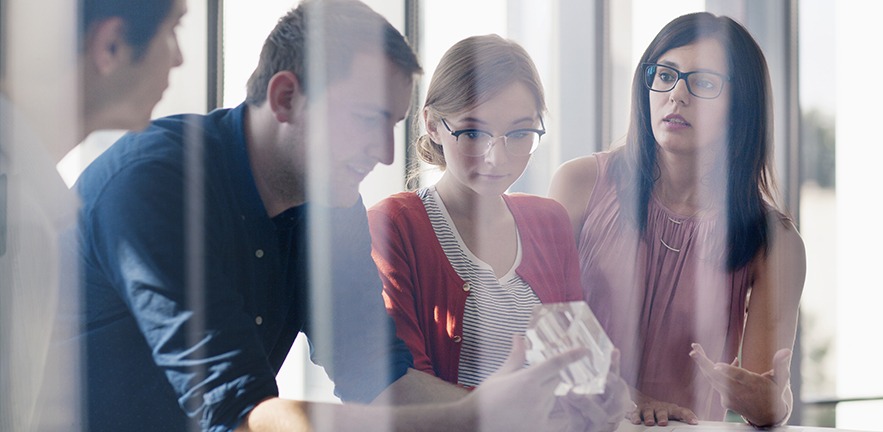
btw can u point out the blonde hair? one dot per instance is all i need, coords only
(471, 72)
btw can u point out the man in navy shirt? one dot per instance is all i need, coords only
(208, 242)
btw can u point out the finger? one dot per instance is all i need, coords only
(649, 416)
(634, 416)
(516, 359)
(733, 373)
(704, 363)
(550, 368)
(685, 415)
(662, 417)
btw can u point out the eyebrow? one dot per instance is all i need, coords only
(676, 66)
(484, 123)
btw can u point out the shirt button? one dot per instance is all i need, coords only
(259, 253)
(466, 287)
(258, 320)
(457, 339)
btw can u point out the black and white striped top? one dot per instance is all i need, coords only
(495, 309)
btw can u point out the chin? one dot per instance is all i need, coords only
(338, 198)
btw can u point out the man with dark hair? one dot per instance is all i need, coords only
(209, 241)
(128, 48)
(112, 81)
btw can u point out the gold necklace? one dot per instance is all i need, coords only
(667, 246)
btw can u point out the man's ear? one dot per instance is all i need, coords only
(285, 96)
(106, 46)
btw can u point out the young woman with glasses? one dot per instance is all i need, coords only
(464, 263)
(683, 251)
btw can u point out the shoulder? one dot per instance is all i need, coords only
(397, 204)
(785, 256)
(785, 239)
(535, 207)
(135, 155)
(540, 217)
(573, 183)
(577, 172)
(151, 161)
(403, 211)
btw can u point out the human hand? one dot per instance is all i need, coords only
(761, 399)
(516, 398)
(652, 412)
(602, 412)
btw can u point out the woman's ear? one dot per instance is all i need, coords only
(106, 46)
(285, 96)
(431, 125)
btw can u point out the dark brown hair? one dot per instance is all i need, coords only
(338, 30)
(749, 180)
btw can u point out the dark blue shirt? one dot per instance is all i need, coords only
(194, 295)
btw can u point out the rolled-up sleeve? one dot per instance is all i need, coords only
(353, 339)
(171, 271)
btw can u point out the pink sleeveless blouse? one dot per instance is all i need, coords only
(656, 294)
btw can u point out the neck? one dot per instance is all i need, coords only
(466, 206)
(278, 188)
(689, 185)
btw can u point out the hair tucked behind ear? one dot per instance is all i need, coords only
(428, 152)
(471, 72)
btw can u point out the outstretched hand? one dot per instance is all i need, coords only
(762, 399)
(516, 398)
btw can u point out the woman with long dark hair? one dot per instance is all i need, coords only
(683, 251)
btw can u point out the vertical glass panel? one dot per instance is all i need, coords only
(633, 25)
(246, 26)
(446, 22)
(818, 207)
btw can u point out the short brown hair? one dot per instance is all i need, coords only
(338, 29)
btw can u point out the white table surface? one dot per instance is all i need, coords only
(710, 426)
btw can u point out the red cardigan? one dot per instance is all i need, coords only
(423, 292)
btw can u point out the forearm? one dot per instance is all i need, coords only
(417, 387)
(277, 414)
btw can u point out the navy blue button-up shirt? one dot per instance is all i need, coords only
(194, 295)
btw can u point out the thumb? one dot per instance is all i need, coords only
(516, 357)
(782, 365)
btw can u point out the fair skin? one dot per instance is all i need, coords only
(120, 90)
(472, 189)
(374, 92)
(689, 133)
(472, 186)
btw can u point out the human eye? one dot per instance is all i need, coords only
(665, 75)
(705, 84)
(520, 134)
(473, 135)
